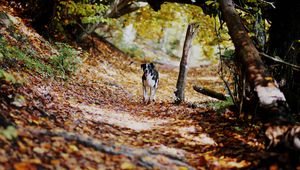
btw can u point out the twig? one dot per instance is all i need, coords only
(243, 94)
(269, 3)
(221, 68)
(277, 59)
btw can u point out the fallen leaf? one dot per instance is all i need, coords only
(24, 166)
(39, 150)
(127, 165)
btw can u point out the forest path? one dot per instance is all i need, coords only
(104, 101)
(96, 118)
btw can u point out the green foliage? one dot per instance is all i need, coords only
(213, 7)
(9, 133)
(7, 77)
(61, 65)
(12, 55)
(133, 50)
(166, 28)
(67, 61)
(221, 104)
(81, 12)
(228, 53)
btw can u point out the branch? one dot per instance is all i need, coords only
(279, 60)
(269, 3)
(209, 93)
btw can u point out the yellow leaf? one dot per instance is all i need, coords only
(127, 165)
(35, 161)
(21, 146)
(73, 148)
(182, 168)
(39, 150)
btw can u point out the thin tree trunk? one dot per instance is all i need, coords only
(181, 82)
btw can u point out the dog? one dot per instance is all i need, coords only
(150, 80)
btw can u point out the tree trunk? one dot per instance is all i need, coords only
(272, 102)
(264, 85)
(181, 81)
(271, 99)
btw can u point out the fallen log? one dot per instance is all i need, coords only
(209, 93)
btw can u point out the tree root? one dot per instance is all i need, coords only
(146, 158)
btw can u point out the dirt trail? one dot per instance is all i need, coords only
(105, 101)
(96, 120)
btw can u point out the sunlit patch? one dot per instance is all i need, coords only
(121, 119)
(227, 162)
(250, 141)
(174, 152)
(192, 137)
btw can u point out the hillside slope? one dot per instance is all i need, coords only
(92, 117)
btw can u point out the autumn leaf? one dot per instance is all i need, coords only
(127, 165)
(24, 166)
(10, 132)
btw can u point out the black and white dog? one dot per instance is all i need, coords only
(150, 79)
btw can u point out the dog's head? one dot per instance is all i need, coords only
(147, 67)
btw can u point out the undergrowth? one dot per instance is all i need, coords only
(218, 105)
(67, 61)
(7, 77)
(61, 65)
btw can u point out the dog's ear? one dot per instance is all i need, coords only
(152, 65)
(143, 66)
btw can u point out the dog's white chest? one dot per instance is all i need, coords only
(149, 81)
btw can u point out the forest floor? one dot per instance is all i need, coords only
(96, 119)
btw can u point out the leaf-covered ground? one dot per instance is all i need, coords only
(95, 119)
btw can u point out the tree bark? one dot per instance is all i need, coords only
(261, 81)
(181, 81)
(273, 107)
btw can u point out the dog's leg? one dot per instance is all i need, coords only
(152, 94)
(145, 95)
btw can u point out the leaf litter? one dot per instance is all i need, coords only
(101, 107)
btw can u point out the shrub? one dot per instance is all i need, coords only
(67, 61)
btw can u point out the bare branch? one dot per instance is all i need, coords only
(269, 3)
(279, 60)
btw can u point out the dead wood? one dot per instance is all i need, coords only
(209, 92)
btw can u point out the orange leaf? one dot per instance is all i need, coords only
(24, 166)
